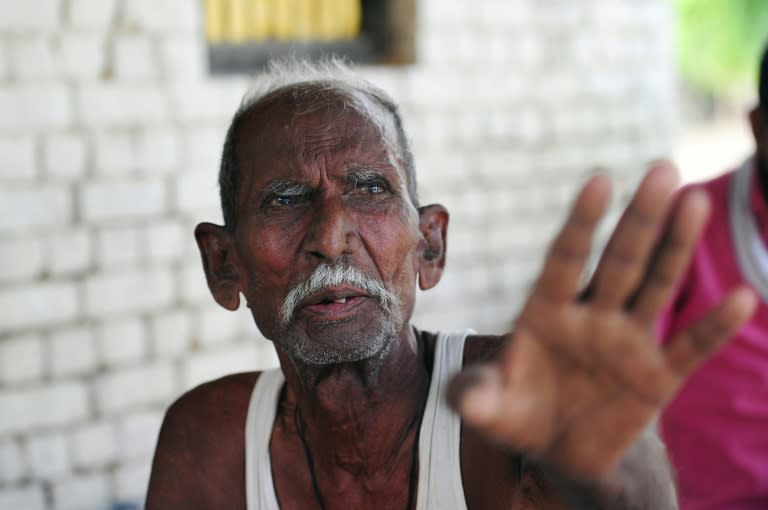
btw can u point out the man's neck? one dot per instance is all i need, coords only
(360, 417)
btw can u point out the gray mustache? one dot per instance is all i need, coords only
(326, 275)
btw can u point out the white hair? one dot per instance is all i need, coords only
(301, 76)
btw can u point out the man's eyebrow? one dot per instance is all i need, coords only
(361, 175)
(286, 187)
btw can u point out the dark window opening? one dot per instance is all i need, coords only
(243, 35)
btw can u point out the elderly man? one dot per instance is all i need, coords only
(325, 239)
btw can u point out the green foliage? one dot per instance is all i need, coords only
(720, 43)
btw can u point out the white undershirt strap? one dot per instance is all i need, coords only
(259, 486)
(439, 486)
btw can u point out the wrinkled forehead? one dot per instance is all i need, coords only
(317, 107)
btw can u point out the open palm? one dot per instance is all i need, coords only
(582, 374)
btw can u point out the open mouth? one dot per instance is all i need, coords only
(332, 304)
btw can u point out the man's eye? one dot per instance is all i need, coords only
(281, 200)
(373, 188)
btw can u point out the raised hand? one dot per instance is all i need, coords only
(582, 374)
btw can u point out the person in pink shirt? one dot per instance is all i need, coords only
(716, 429)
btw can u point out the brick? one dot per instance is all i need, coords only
(109, 294)
(157, 151)
(163, 16)
(69, 251)
(91, 14)
(17, 158)
(217, 325)
(213, 101)
(197, 191)
(4, 63)
(137, 435)
(170, 333)
(122, 341)
(72, 351)
(81, 491)
(35, 107)
(114, 153)
(38, 305)
(20, 259)
(117, 246)
(13, 467)
(123, 199)
(29, 16)
(131, 481)
(81, 56)
(194, 288)
(33, 58)
(48, 455)
(120, 104)
(134, 58)
(210, 364)
(183, 58)
(64, 156)
(21, 358)
(22, 208)
(48, 406)
(201, 149)
(126, 389)
(94, 445)
(166, 241)
(30, 497)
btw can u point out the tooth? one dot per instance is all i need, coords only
(340, 301)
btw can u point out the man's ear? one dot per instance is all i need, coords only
(220, 263)
(433, 224)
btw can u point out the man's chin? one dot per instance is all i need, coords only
(336, 342)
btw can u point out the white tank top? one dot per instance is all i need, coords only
(439, 486)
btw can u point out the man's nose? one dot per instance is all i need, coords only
(332, 232)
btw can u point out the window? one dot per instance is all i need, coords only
(243, 35)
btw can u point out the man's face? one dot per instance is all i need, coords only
(325, 232)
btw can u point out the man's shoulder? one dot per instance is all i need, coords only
(199, 460)
(225, 398)
(482, 348)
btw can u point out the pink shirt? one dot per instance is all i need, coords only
(716, 428)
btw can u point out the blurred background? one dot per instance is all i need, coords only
(112, 115)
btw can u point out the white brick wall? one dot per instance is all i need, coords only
(25, 410)
(28, 498)
(21, 358)
(48, 455)
(64, 156)
(17, 158)
(81, 492)
(29, 16)
(108, 294)
(72, 351)
(38, 305)
(110, 139)
(27, 107)
(91, 14)
(122, 341)
(132, 388)
(94, 445)
(20, 259)
(123, 199)
(23, 208)
(12, 463)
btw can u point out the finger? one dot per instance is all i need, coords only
(624, 260)
(699, 341)
(563, 267)
(672, 256)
